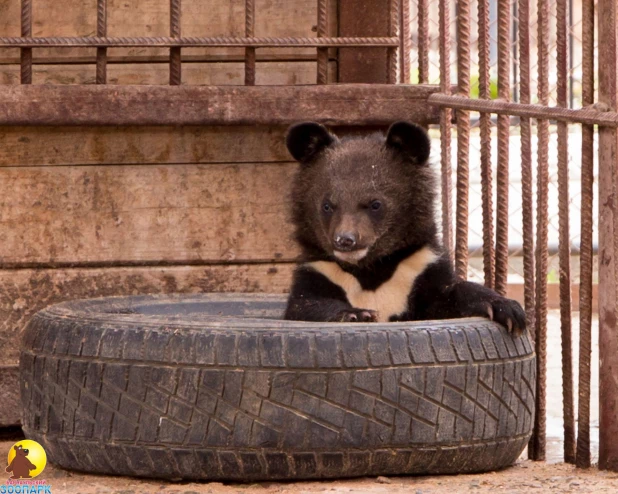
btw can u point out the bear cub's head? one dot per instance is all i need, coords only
(20, 451)
(359, 199)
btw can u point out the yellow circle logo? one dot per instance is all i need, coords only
(27, 459)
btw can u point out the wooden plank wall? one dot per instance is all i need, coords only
(88, 212)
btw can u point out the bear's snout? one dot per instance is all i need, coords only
(345, 241)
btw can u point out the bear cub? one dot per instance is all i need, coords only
(364, 214)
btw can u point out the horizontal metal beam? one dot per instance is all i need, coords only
(339, 104)
(585, 115)
(217, 41)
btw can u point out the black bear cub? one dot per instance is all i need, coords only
(364, 212)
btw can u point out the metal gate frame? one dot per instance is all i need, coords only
(382, 102)
(602, 113)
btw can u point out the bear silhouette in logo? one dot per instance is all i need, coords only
(21, 465)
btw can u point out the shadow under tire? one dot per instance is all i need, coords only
(217, 386)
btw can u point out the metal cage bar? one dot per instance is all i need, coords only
(406, 42)
(582, 459)
(538, 441)
(216, 41)
(502, 172)
(423, 41)
(26, 52)
(101, 76)
(588, 116)
(392, 52)
(564, 250)
(175, 55)
(463, 139)
(322, 32)
(445, 128)
(526, 163)
(485, 124)
(249, 33)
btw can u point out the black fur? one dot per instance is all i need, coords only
(379, 191)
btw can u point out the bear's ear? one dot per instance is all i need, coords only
(306, 140)
(410, 140)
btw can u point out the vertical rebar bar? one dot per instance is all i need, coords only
(406, 42)
(423, 42)
(322, 31)
(564, 249)
(585, 284)
(175, 60)
(445, 127)
(393, 30)
(502, 173)
(463, 139)
(26, 53)
(101, 77)
(249, 51)
(526, 163)
(485, 123)
(536, 449)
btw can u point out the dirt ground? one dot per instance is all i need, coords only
(524, 477)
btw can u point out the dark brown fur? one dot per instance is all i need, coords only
(358, 170)
(339, 183)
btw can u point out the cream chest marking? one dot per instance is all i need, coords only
(391, 297)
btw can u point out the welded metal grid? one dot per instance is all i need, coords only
(394, 42)
(527, 72)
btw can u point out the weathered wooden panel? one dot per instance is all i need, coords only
(145, 214)
(215, 74)
(44, 146)
(23, 292)
(338, 104)
(363, 65)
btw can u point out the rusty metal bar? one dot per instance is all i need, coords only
(502, 173)
(322, 32)
(393, 31)
(526, 163)
(221, 105)
(26, 52)
(582, 459)
(101, 77)
(536, 447)
(608, 240)
(485, 123)
(217, 41)
(590, 115)
(175, 60)
(565, 251)
(446, 127)
(406, 42)
(250, 52)
(463, 139)
(423, 41)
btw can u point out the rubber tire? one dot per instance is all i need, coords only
(215, 387)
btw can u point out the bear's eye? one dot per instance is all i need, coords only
(375, 205)
(327, 207)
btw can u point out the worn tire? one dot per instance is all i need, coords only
(216, 387)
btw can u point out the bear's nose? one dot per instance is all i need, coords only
(345, 241)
